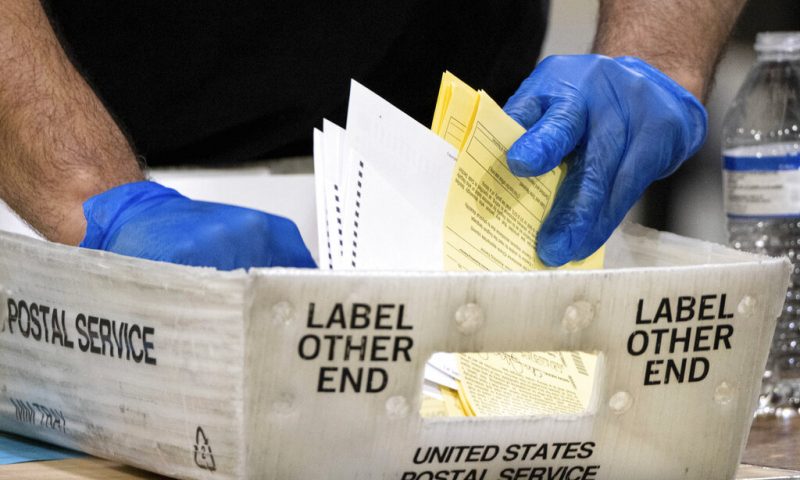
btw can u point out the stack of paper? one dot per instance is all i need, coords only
(508, 384)
(395, 195)
(492, 216)
(381, 188)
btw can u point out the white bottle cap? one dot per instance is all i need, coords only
(778, 44)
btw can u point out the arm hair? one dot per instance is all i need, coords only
(682, 38)
(58, 143)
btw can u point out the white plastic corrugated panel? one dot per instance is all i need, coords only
(290, 374)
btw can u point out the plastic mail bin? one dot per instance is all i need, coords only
(196, 373)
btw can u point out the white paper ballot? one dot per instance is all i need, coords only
(334, 147)
(383, 187)
(323, 229)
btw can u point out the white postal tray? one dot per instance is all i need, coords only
(196, 373)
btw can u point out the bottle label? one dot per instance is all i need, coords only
(762, 186)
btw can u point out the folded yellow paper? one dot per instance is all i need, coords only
(527, 383)
(454, 109)
(492, 216)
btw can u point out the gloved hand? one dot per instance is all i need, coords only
(148, 220)
(627, 125)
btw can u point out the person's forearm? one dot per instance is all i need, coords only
(682, 38)
(58, 143)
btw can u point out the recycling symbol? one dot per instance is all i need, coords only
(202, 451)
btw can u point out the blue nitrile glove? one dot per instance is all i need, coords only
(628, 125)
(148, 220)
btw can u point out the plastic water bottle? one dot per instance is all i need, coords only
(761, 169)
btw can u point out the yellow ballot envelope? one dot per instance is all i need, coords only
(491, 216)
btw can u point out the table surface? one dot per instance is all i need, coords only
(772, 443)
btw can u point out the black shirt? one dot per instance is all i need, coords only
(209, 82)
